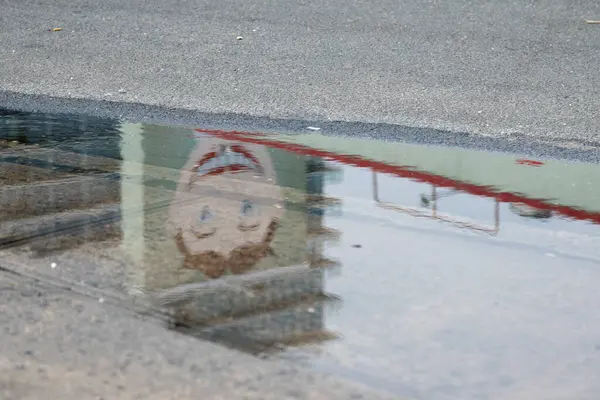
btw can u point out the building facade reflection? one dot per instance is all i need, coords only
(52, 189)
(232, 235)
(70, 185)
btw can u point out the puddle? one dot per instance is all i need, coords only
(433, 273)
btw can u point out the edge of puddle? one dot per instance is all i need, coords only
(514, 143)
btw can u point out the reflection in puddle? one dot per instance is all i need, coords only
(434, 273)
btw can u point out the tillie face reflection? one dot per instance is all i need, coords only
(227, 207)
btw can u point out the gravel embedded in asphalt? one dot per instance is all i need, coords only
(491, 68)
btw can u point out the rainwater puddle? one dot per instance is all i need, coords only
(430, 272)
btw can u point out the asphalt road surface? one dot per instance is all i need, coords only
(498, 68)
(520, 68)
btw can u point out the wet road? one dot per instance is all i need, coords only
(509, 68)
(427, 272)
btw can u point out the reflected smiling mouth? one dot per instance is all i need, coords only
(242, 227)
(248, 227)
(228, 158)
(204, 235)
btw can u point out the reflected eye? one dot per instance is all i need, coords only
(205, 215)
(248, 209)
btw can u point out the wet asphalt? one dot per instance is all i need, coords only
(58, 344)
(404, 319)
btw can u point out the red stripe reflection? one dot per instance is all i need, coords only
(531, 163)
(406, 172)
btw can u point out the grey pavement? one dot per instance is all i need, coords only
(57, 344)
(518, 67)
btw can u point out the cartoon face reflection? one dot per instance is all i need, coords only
(227, 207)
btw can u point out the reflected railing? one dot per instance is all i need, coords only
(430, 210)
